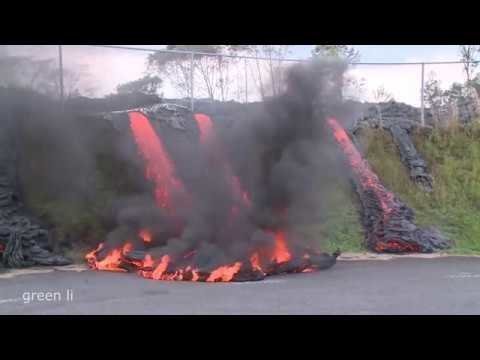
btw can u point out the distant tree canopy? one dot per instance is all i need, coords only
(382, 95)
(177, 66)
(445, 103)
(268, 74)
(42, 75)
(344, 52)
(469, 55)
(217, 76)
(146, 85)
(476, 84)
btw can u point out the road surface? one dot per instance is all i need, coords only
(401, 286)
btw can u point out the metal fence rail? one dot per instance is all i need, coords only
(246, 80)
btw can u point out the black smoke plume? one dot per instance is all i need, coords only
(282, 154)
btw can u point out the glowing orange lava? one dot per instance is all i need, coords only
(159, 167)
(148, 261)
(111, 262)
(255, 262)
(209, 139)
(161, 268)
(281, 253)
(367, 177)
(183, 266)
(205, 126)
(224, 273)
(145, 235)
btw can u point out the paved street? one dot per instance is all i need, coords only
(401, 286)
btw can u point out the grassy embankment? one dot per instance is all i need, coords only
(453, 156)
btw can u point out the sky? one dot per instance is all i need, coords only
(108, 68)
(402, 82)
(376, 53)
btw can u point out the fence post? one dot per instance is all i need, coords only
(422, 94)
(191, 82)
(60, 68)
(246, 79)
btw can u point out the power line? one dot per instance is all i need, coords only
(186, 52)
(276, 59)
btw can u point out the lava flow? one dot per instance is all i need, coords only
(281, 253)
(159, 168)
(388, 221)
(209, 139)
(359, 166)
(186, 264)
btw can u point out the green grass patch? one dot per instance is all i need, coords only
(453, 156)
(338, 224)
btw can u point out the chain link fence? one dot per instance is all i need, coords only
(99, 70)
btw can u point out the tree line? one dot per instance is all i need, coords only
(218, 77)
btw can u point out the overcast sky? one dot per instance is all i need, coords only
(377, 53)
(110, 67)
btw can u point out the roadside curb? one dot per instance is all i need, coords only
(11, 273)
(367, 256)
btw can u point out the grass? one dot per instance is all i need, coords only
(77, 223)
(342, 228)
(338, 223)
(453, 156)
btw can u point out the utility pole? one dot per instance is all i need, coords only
(60, 66)
(422, 96)
(192, 64)
(246, 80)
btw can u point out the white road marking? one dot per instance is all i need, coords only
(464, 275)
(42, 270)
(374, 256)
(33, 271)
(7, 301)
(261, 282)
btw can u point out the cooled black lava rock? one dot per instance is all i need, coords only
(324, 261)
(410, 157)
(390, 223)
(399, 120)
(22, 241)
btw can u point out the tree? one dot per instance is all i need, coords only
(456, 92)
(212, 72)
(382, 95)
(41, 75)
(175, 67)
(434, 97)
(468, 55)
(351, 88)
(476, 84)
(268, 72)
(342, 52)
(147, 85)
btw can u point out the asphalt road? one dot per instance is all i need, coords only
(401, 286)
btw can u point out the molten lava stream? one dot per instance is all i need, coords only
(112, 261)
(159, 167)
(255, 262)
(209, 138)
(224, 273)
(368, 179)
(145, 235)
(281, 253)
